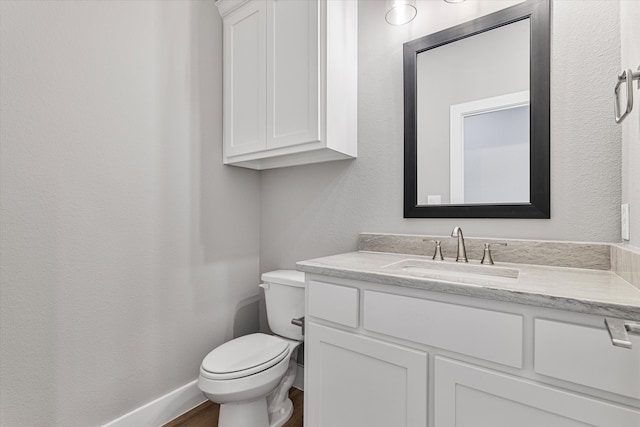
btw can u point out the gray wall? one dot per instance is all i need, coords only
(127, 247)
(318, 210)
(630, 30)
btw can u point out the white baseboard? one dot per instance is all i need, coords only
(163, 409)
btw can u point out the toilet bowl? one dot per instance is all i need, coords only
(250, 376)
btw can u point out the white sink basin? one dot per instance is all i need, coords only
(450, 270)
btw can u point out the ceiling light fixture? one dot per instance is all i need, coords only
(400, 12)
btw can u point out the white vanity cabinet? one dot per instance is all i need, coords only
(290, 81)
(380, 355)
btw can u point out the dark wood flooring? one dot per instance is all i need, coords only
(206, 415)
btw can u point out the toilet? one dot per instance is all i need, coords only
(250, 376)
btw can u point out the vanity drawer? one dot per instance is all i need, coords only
(485, 334)
(334, 303)
(585, 355)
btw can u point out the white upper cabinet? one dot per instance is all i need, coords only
(290, 82)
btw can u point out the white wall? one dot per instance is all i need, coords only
(630, 58)
(126, 245)
(318, 210)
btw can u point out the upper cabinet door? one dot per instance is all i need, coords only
(245, 88)
(292, 72)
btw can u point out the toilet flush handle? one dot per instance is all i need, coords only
(299, 322)
(264, 286)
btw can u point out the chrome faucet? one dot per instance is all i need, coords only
(462, 252)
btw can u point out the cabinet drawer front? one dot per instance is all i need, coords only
(585, 355)
(334, 303)
(485, 334)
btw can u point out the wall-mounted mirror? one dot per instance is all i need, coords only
(477, 118)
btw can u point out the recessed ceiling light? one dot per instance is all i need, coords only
(400, 12)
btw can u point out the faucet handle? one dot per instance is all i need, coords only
(486, 257)
(437, 253)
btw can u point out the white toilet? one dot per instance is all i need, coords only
(250, 376)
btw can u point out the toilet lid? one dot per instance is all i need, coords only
(245, 355)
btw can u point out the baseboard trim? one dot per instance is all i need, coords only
(163, 409)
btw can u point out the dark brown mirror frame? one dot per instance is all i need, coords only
(538, 11)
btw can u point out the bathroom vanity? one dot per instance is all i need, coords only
(397, 339)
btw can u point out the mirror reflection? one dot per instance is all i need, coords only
(472, 108)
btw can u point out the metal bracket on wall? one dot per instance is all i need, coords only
(627, 76)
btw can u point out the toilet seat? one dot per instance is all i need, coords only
(244, 356)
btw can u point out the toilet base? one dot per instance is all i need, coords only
(279, 418)
(244, 414)
(253, 414)
(279, 405)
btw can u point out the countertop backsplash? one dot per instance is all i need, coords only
(625, 262)
(596, 256)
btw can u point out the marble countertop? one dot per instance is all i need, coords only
(574, 289)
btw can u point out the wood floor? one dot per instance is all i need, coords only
(206, 415)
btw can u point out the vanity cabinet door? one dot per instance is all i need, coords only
(245, 82)
(355, 381)
(469, 396)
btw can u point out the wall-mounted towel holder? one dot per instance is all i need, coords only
(627, 76)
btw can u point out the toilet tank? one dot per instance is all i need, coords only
(284, 298)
